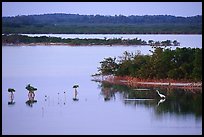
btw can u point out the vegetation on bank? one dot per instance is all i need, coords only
(164, 63)
(19, 39)
(105, 29)
(99, 24)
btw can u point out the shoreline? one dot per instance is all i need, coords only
(36, 44)
(136, 82)
(66, 44)
(44, 40)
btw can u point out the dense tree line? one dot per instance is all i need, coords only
(63, 19)
(75, 23)
(18, 39)
(164, 63)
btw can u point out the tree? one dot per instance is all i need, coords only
(197, 65)
(176, 43)
(179, 64)
(108, 66)
(151, 42)
(31, 95)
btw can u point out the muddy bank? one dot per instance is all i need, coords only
(136, 82)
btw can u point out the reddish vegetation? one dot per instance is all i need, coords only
(137, 82)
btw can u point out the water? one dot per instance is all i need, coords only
(101, 108)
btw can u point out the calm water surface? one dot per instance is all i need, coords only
(101, 108)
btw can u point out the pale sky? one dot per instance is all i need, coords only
(103, 8)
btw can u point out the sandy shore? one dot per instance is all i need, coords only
(135, 82)
(62, 44)
(37, 44)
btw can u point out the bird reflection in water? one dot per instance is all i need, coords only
(31, 99)
(65, 99)
(11, 102)
(160, 101)
(75, 92)
(31, 95)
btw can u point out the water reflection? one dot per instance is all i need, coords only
(11, 102)
(141, 102)
(31, 95)
(177, 101)
(31, 99)
(108, 93)
(160, 101)
(65, 98)
(60, 100)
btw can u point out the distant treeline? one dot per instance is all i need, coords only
(178, 64)
(98, 24)
(18, 39)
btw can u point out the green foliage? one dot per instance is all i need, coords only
(92, 24)
(197, 65)
(17, 39)
(180, 64)
(108, 66)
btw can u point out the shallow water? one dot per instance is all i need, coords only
(101, 108)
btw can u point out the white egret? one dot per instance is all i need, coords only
(161, 95)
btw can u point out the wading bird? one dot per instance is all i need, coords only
(75, 92)
(11, 90)
(11, 102)
(31, 90)
(161, 95)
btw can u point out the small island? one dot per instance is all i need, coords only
(9, 39)
(179, 68)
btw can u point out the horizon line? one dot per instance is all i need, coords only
(102, 15)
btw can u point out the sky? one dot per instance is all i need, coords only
(183, 9)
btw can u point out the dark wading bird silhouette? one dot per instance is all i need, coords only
(11, 102)
(75, 92)
(31, 95)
